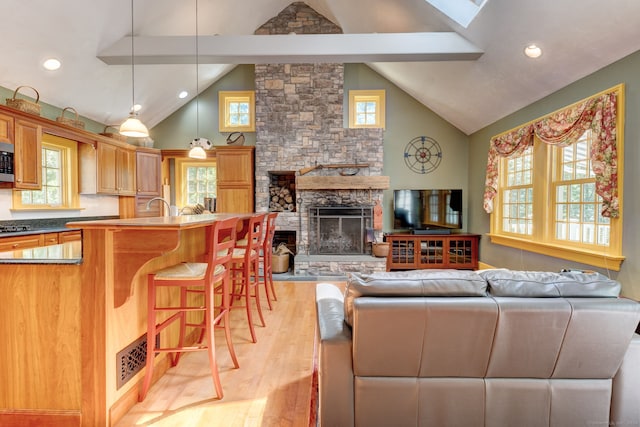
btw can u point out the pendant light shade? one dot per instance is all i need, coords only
(197, 153)
(133, 127)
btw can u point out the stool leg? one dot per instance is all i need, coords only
(270, 275)
(256, 288)
(211, 344)
(151, 333)
(226, 296)
(175, 357)
(246, 277)
(265, 279)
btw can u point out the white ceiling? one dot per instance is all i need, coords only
(578, 37)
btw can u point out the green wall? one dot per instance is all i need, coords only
(406, 119)
(624, 71)
(177, 130)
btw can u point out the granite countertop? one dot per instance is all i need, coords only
(63, 253)
(36, 231)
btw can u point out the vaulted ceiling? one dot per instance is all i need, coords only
(577, 38)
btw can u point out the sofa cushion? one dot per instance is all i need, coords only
(419, 283)
(512, 283)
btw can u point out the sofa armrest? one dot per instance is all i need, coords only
(625, 394)
(335, 367)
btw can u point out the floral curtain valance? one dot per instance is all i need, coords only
(563, 128)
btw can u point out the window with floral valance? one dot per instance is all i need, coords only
(552, 184)
(564, 127)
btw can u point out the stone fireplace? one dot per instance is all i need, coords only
(299, 124)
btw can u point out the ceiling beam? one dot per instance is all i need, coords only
(292, 48)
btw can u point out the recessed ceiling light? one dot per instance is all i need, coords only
(532, 51)
(136, 108)
(51, 64)
(183, 94)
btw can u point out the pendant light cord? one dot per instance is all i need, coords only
(133, 79)
(197, 79)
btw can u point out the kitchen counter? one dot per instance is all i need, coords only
(91, 308)
(63, 253)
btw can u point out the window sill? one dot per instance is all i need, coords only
(596, 259)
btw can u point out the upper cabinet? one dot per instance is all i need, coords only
(148, 172)
(235, 179)
(28, 155)
(6, 128)
(107, 169)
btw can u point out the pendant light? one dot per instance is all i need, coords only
(198, 145)
(133, 127)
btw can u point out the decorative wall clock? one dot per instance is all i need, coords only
(422, 154)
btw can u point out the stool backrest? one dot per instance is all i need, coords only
(221, 242)
(252, 241)
(269, 232)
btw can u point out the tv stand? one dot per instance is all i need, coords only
(419, 251)
(429, 231)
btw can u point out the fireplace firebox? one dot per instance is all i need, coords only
(339, 230)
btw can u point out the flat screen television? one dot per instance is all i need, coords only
(427, 210)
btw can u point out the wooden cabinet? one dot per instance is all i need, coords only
(6, 128)
(50, 239)
(235, 179)
(21, 242)
(28, 155)
(69, 236)
(412, 252)
(148, 172)
(107, 169)
(149, 185)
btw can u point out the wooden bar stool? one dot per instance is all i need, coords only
(265, 257)
(191, 278)
(245, 270)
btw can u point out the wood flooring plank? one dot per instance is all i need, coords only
(271, 388)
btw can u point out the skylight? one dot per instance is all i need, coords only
(461, 11)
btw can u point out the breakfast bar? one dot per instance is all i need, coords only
(67, 322)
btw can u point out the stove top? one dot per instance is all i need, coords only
(14, 228)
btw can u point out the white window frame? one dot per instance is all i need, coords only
(377, 97)
(225, 100)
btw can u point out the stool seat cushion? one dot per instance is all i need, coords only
(186, 271)
(238, 253)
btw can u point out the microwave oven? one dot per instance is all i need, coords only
(6, 162)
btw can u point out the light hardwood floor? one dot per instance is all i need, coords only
(272, 387)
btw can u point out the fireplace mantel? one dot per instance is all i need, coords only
(342, 182)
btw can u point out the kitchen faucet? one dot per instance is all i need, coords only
(163, 201)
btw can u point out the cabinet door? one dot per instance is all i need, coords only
(433, 252)
(50, 239)
(22, 242)
(148, 173)
(235, 179)
(402, 252)
(107, 156)
(28, 155)
(232, 199)
(126, 171)
(69, 236)
(6, 128)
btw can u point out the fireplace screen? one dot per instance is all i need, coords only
(338, 230)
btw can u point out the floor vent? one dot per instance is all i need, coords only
(131, 359)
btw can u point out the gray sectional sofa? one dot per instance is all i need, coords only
(490, 348)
